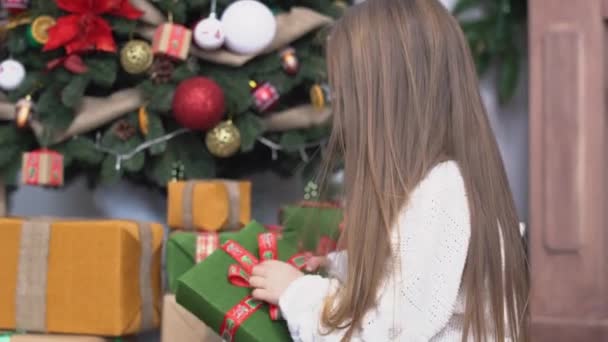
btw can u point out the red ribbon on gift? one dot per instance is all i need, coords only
(239, 274)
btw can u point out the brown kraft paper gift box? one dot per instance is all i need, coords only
(179, 325)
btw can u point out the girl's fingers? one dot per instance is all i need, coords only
(315, 263)
(262, 294)
(257, 282)
(258, 271)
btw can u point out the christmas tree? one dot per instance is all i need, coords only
(153, 90)
(96, 82)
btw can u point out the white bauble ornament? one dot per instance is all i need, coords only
(249, 26)
(209, 33)
(12, 73)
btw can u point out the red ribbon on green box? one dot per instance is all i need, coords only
(239, 274)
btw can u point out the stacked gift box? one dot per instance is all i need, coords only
(204, 214)
(100, 280)
(210, 279)
(90, 279)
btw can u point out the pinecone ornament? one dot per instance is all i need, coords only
(124, 130)
(161, 70)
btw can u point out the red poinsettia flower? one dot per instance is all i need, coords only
(85, 29)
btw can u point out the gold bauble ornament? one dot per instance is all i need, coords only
(224, 140)
(136, 57)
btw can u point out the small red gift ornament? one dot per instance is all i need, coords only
(265, 97)
(172, 40)
(42, 167)
(15, 5)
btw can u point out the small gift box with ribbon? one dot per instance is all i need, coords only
(15, 5)
(42, 167)
(172, 40)
(217, 290)
(209, 205)
(80, 276)
(312, 226)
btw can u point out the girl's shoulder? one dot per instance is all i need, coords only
(443, 177)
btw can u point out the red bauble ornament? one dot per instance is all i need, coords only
(198, 103)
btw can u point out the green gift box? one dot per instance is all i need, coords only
(312, 226)
(181, 253)
(206, 291)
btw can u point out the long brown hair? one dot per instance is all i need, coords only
(405, 97)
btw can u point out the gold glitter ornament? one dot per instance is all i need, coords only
(224, 140)
(136, 57)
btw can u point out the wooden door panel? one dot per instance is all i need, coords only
(568, 243)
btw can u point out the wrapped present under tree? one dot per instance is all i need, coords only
(216, 290)
(179, 325)
(9, 337)
(209, 205)
(80, 277)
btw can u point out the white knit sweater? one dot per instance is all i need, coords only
(421, 299)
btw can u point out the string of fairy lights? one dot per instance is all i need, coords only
(122, 156)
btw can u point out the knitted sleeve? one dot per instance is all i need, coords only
(419, 297)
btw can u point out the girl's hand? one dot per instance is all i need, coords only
(313, 264)
(271, 278)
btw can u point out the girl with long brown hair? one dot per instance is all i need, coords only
(432, 250)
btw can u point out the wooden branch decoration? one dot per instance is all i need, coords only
(7, 111)
(92, 113)
(151, 15)
(304, 116)
(290, 27)
(95, 112)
